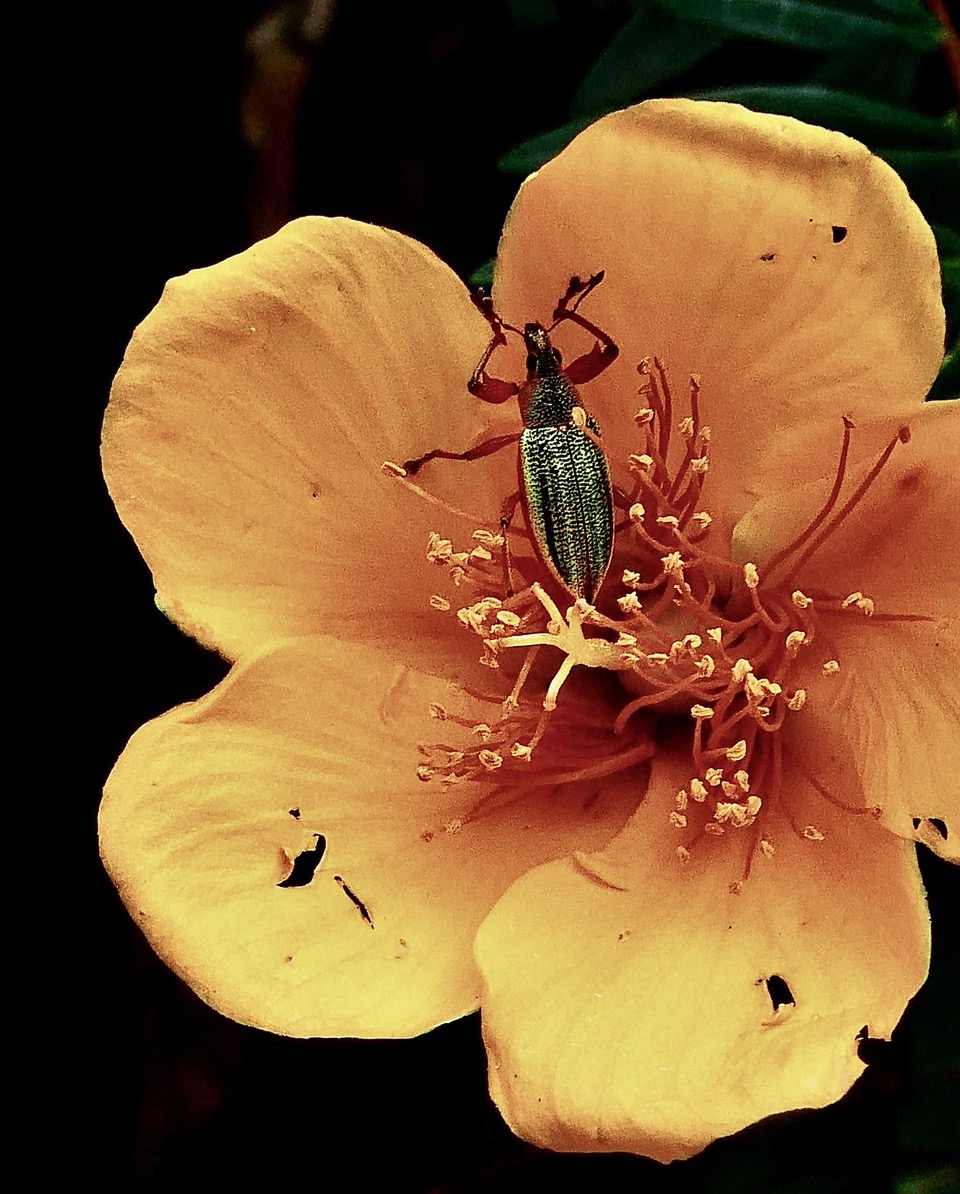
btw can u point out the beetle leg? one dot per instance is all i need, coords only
(492, 389)
(481, 385)
(621, 498)
(477, 452)
(604, 352)
(578, 289)
(507, 512)
(592, 363)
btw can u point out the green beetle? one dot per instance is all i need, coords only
(564, 481)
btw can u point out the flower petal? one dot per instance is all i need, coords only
(894, 707)
(783, 263)
(629, 1000)
(210, 806)
(248, 424)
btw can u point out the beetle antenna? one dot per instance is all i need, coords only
(484, 304)
(577, 291)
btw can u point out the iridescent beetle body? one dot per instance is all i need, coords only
(563, 475)
(564, 482)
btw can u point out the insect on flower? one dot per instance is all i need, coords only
(564, 481)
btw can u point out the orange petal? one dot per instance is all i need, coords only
(626, 1003)
(720, 233)
(248, 424)
(210, 805)
(893, 708)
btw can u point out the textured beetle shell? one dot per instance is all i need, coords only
(566, 488)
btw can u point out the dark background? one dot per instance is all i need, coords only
(186, 144)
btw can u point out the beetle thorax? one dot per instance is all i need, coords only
(547, 401)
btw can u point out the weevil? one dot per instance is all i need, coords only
(564, 482)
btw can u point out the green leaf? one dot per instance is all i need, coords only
(947, 384)
(944, 1179)
(906, 11)
(483, 274)
(867, 120)
(948, 241)
(803, 24)
(950, 280)
(532, 14)
(651, 48)
(531, 154)
(878, 70)
(932, 178)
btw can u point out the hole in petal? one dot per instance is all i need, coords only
(768, 256)
(354, 899)
(305, 864)
(295, 813)
(839, 232)
(780, 994)
(939, 826)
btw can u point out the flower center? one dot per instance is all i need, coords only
(694, 637)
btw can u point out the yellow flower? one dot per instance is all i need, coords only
(684, 887)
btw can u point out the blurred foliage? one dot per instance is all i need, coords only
(878, 70)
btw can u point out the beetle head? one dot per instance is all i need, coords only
(543, 360)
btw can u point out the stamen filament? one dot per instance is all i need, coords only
(902, 437)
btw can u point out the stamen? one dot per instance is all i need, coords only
(902, 437)
(828, 505)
